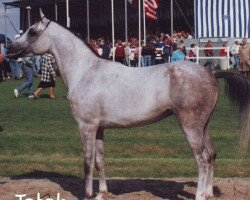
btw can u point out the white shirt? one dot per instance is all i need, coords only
(235, 49)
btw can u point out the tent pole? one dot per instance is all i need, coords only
(5, 25)
(67, 13)
(195, 31)
(139, 14)
(56, 14)
(172, 18)
(113, 29)
(28, 8)
(126, 20)
(144, 22)
(88, 27)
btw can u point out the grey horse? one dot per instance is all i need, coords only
(105, 94)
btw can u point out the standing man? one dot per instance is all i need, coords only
(235, 52)
(244, 54)
(48, 69)
(209, 53)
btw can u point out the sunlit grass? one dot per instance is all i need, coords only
(41, 135)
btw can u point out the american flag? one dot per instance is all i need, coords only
(150, 9)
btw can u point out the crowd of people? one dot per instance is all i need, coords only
(163, 48)
(157, 49)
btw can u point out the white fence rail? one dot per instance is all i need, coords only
(198, 58)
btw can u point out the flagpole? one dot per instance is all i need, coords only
(113, 28)
(126, 21)
(139, 13)
(67, 13)
(88, 31)
(144, 22)
(5, 25)
(172, 18)
(195, 31)
(56, 13)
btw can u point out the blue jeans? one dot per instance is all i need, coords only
(237, 60)
(147, 60)
(29, 82)
(16, 70)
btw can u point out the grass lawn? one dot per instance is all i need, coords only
(41, 135)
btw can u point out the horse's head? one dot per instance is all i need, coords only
(34, 41)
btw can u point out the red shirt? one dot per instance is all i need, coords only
(209, 52)
(223, 53)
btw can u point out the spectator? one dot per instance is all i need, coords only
(235, 52)
(174, 44)
(184, 47)
(192, 53)
(105, 49)
(1, 67)
(223, 53)
(148, 53)
(27, 65)
(5, 65)
(48, 68)
(120, 52)
(244, 54)
(209, 53)
(178, 55)
(167, 51)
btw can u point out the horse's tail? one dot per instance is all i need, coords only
(237, 88)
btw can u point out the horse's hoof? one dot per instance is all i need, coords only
(200, 196)
(208, 196)
(99, 197)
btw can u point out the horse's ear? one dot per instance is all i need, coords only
(42, 16)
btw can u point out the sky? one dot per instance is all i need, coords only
(14, 16)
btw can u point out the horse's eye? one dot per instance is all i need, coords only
(32, 32)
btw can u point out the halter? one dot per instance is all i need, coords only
(19, 52)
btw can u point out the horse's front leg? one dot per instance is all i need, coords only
(88, 135)
(100, 161)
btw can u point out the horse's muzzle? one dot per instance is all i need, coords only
(13, 52)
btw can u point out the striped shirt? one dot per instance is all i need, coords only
(48, 67)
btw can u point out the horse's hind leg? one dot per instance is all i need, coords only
(194, 131)
(211, 162)
(99, 160)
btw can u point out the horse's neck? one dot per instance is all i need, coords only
(73, 57)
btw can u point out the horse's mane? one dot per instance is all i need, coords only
(85, 42)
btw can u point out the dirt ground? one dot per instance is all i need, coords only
(122, 189)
